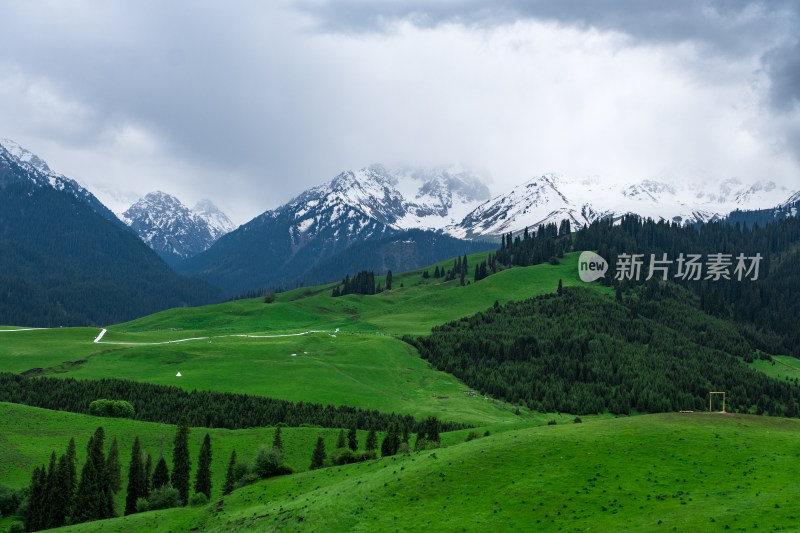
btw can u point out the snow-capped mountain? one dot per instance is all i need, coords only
(20, 165)
(173, 230)
(402, 198)
(551, 198)
(356, 206)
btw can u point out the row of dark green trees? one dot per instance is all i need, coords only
(58, 496)
(362, 283)
(211, 409)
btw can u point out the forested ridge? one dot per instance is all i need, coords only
(62, 264)
(167, 404)
(767, 308)
(583, 352)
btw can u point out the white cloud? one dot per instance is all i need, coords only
(248, 104)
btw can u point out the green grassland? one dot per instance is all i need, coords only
(672, 472)
(666, 472)
(784, 367)
(363, 364)
(31, 434)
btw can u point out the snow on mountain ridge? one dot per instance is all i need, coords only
(173, 230)
(399, 198)
(36, 171)
(549, 198)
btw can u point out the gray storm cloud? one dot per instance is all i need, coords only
(249, 103)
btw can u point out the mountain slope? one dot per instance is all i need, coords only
(66, 260)
(20, 165)
(401, 252)
(280, 246)
(173, 230)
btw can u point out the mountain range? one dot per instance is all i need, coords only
(371, 216)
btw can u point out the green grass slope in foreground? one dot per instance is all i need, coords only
(667, 472)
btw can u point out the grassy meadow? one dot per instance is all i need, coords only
(666, 472)
(237, 346)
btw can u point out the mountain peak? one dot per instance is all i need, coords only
(24, 156)
(173, 230)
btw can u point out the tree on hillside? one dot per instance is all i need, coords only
(50, 498)
(230, 480)
(432, 429)
(161, 474)
(112, 478)
(372, 441)
(318, 456)
(277, 443)
(203, 481)
(135, 469)
(340, 442)
(65, 486)
(352, 441)
(147, 473)
(181, 463)
(389, 280)
(90, 498)
(391, 442)
(34, 521)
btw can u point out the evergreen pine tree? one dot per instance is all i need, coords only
(113, 468)
(181, 462)
(112, 479)
(432, 429)
(352, 441)
(50, 500)
(340, 442)
(389, 280)
(68, 480)
(391, 442)
(277, 443)
(147, 473)
(318, 456)
(89, 497)
(229, 476)
(560, 287)
(135, 489)
(34, 520)
(63, 494)
(161, 474)
(203, 482)
(372, 441)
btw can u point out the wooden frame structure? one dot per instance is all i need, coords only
(710, 396)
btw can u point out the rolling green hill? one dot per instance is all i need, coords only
(363, 364)
(696, 472)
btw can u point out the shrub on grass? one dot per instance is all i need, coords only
(163, 498)
(198, 499)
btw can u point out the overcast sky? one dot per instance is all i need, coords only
(249, 103)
